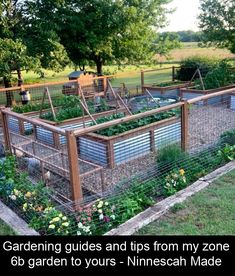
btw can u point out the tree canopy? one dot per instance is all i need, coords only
(217, 21)
(100, 32)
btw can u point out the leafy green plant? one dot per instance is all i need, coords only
(220, 76)
(190, 65)
(227, 153)
(170, 157)
(170, 83)
(174, 182)
(123, 127)
(228, 137)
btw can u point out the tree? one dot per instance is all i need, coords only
(102, 32)
(217, 21)
(22, 30)
(13, 57)
(166, 42)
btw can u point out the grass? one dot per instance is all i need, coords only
(209, 212)
(130, 75)
(5, 230)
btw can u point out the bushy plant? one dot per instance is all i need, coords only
(220, 76)
(190, 65)
(170, 157)
(227, 153)
(228, 137)
(120, 128)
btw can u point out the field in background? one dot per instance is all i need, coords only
(130, 75)
(209, 212)
(191, 49)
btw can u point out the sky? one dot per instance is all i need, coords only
(184, 18)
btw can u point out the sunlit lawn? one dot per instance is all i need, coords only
(5, 230)
(209, 212)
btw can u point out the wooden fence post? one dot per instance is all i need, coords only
(152, 140)
(184, 125)
(173, 73)
(110, 154)
(75, 181)
(6, 132)
(142, 80)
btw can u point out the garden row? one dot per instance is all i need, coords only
(175, 170)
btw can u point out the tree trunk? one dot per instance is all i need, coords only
(9, 94)
(99, 68)
(20, 80)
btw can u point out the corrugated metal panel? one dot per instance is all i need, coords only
(13, 124)
(167, 135)
(189, 96)
(232, 104)
(131, 148)
(93, 151)
(44, 135)
(174, 92)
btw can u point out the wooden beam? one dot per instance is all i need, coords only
(127, 109)
(142, 80)
(114, 94)
(33, 121)
(184, 125)
(211, 95)
(75, 180)
(6, 135)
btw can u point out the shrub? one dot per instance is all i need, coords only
(228, 137)
(170, 157)
(190, 65)
(222, 75)
(227, 153)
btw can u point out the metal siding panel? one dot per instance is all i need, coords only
(13, 124)
(131, 148)
(44, 135)
(189, 96)
(167, 135)
(93, 151)
(232, 103)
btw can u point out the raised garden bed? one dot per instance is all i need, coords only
(193, 92)
(48, 137)
(117, 149)
(166, 89)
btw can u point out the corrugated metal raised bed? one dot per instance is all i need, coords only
(114, 150)
(191, 92)
(173, 90)
(232, 102)
(47, 136)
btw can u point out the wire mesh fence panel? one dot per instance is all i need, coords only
(208, 120)
(106, 173)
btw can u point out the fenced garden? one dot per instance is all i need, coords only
(85, 161)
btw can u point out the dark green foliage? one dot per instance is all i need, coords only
(170, 83)
(220, 76)
(228, 137)
(170, 157)
(190, 65)
(123, 127)
(216, 20)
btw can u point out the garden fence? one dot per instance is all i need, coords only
(127, 162)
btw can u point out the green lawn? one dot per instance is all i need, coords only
(5, 230)
(209, 212)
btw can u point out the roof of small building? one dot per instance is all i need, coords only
(75, 74)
